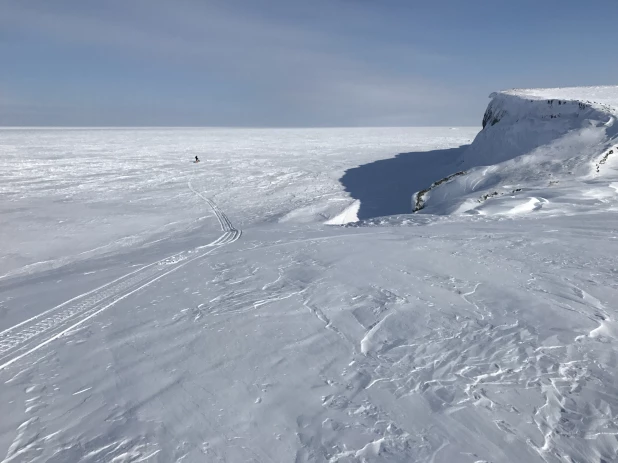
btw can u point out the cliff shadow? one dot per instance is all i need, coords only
(385, 187)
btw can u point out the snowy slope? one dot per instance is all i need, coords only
(549, 150)
(253, 332)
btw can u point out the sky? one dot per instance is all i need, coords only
(275, 63)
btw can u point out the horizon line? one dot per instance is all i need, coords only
(60, 127)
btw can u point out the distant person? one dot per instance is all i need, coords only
(197, 159)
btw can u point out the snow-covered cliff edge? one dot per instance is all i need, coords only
(540, 149)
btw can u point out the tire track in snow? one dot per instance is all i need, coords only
(34, 333)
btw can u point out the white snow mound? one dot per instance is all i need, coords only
(551, 150)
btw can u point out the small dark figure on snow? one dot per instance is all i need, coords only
(197, 159)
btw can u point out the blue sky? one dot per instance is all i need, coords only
(290, 63)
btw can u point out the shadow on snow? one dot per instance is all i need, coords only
(386, 187)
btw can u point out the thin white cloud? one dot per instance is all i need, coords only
(311, 72)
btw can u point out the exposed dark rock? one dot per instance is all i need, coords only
(418, 198)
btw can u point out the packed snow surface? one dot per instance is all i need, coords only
(153, 309)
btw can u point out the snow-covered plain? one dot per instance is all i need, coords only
(77, 193)
(158, 310)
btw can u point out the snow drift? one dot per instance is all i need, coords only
(547, 149)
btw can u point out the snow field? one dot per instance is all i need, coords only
(480, 329)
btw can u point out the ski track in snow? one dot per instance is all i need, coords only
(31, 335)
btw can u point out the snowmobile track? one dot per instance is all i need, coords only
(32, 334)
(224, 221)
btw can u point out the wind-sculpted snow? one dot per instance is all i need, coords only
(462, 341)
(485, 337)
(548, 146)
